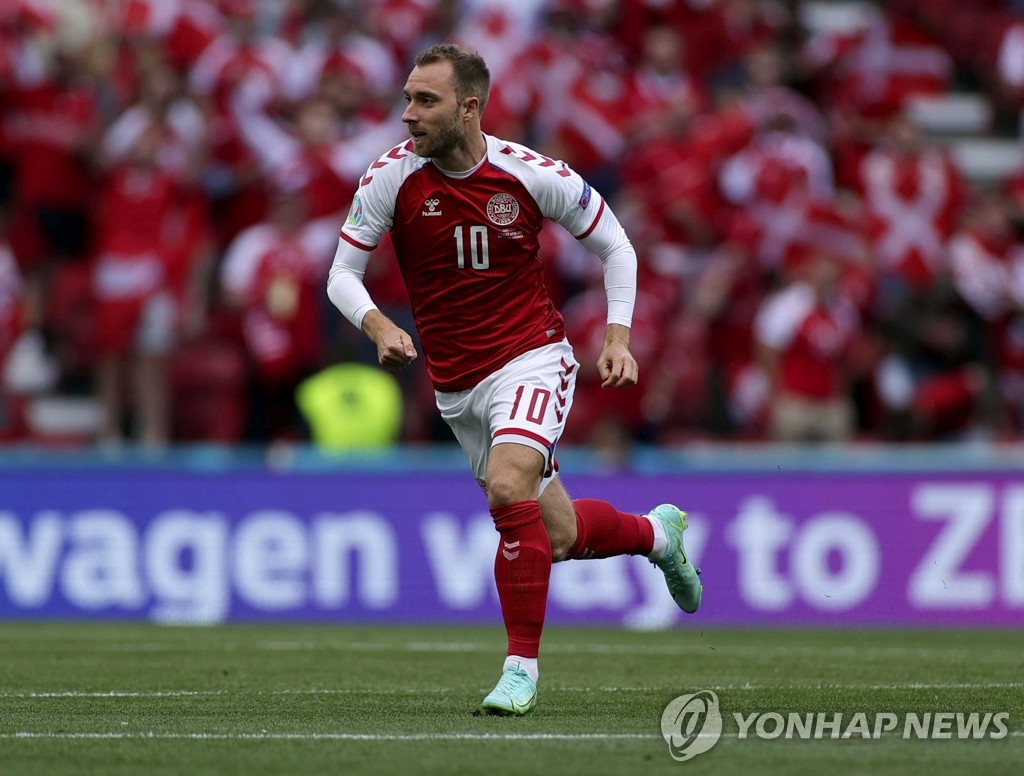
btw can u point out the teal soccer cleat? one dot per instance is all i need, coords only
(682, 578)
(513, 695)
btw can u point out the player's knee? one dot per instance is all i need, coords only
(561, 544)
(509, 486)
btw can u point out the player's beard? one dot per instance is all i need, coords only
(447, 138)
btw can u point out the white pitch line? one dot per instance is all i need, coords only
(114, 694)
(342, 736)
(947, 653)
(912, 686)
(206, 693)
(746, 687)
(469, 646)
(263, 736)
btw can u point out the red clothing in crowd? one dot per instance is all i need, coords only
(275, 274)
(912, 201)
(147, 234)
(48, 127)
(876, 68)
(812, 338)
(10, 300)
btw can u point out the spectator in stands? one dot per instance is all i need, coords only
(238, 56)
(588, 127)
(147, 244)
(11, 321)
(166, 109)
(152, 252)
(660, 85)
(318, 150)
(737, 149)
(765, 88)
(782, 197)
(1011, 349)
(668, 184)
(403, 24)
(724, 301)
(718, 34)
(804, 332)
(335, 39)
(598, 414)
(912, 196)
(52, 125)
(10, 292)
(530, 99)
(181, 29)
(934, 376)
(1010, 69)
(985, 260)
(873, 69)
(273, 275)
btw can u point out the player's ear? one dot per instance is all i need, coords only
(470, 107)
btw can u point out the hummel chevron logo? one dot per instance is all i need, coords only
(398, 152)
(510, 546)
(568, 370)
(526, 156)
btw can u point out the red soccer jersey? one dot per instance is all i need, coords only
(274, 273)
(49, 124)
(811, 337)
(468, 249)
(134, 205)
(10, 299)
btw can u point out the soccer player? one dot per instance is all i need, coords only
(465, 210)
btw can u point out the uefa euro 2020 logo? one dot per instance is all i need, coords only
(691, 724)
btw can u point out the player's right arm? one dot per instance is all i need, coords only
(348, 293)
(369, 217)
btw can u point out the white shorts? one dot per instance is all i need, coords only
(155, 335)
(526, 402)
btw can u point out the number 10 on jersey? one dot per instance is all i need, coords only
(479, 255)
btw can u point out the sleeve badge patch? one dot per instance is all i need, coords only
(585, 196)
(355, 213)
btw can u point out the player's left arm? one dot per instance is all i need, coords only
(608, 240)
(567, 199)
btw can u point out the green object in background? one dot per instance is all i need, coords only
(351, 406)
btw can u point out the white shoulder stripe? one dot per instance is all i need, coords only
(397, 153)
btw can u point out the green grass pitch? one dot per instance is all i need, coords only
(95, 698)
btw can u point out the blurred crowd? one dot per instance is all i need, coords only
(813, 267)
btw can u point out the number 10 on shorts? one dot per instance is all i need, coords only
(538, 404)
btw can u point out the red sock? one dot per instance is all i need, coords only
(522, 568)
(602, 531)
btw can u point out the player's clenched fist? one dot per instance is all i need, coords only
(394, 345)
(395, 350)
(616, 364)
(617, 367)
